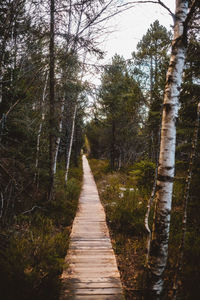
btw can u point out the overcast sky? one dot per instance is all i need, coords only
(129, 27)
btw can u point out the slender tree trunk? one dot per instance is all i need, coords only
(40, 130)
(160, 235)
(52, 128)
(151, 80)
(112, 152)
(1, 82)
(120, 159)
(151, 199)
(58, 137)
(2, 205)
(146, 219)
(185, 205)
(75, 157)
(70, 144)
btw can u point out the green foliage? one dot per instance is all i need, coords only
(33, 260)
(143, 172)
(99, 168)
(125, 206)
(126, 213)
(112, 133)
(62, 210)
(150, 65)
(152, 58)
(191, 266)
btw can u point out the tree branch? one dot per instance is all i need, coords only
(32, 209)
(153, 2)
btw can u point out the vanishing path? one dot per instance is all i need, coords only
(92, 270)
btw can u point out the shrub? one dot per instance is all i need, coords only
(144, 171)
(125, 213)
(99, 168)
(34, 260)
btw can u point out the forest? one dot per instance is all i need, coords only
(139, 129)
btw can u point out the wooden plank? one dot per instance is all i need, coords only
(96, 285)
(92, 270)
(101, 260)
(92, 297)
(98, 291)
(89, 280)
(94, 252)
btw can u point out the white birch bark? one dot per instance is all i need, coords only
(40, 129)
(146, 219)
(70, 144)
(60, 126)
(160, 235)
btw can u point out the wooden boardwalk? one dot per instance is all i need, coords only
(91, 265)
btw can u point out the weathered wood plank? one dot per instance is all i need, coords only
(91, 297)
(96, 285)
(92, 270)
(98, 291)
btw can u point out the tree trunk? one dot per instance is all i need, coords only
(51, 102)
(70, 144)
(151, 199)
(160, 235)
(1, 83)
(112, 150)
(76, 152)
(58, 137)
(40, 130)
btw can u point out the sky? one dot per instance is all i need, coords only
(132, 24)
(129, 27)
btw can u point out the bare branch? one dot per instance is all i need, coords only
(150, 1)
(32, 209)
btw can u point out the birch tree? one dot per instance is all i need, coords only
(70, 144)
(160, 235)
(51, 99)
(40, 130)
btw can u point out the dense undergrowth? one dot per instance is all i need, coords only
(33, 247)
(124, 195)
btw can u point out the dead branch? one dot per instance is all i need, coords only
(132, 3)
(32, 209)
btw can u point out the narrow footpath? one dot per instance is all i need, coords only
(91, 269)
